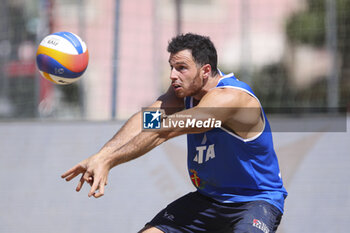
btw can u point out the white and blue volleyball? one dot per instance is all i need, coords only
(62, 57)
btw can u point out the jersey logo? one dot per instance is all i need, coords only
(195, 179)
(204, 153)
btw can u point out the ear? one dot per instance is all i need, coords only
(206, 70)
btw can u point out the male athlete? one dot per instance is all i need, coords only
(234, 167)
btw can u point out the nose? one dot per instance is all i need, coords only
(173, 74)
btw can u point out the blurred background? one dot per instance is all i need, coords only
(294, 53)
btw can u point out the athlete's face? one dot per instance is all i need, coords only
(185, 75)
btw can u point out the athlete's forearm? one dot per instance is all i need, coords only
(129, 130)
(136, 147)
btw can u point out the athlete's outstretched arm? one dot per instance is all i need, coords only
(128, 131)
(133, 126)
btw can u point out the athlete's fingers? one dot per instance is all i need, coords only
(97, 195)
(69, 172)
(73, 172)
(101, 189)
(80, 183)
(72, 175)
(87, 176)
(90, 180)
(94, 186)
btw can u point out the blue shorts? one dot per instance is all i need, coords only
(197, 213)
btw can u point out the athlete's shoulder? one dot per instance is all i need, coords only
(227, 98)
(230, 81)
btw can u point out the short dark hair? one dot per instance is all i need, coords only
(202, 49)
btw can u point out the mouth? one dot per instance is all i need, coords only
(176, 86)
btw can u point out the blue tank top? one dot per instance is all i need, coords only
(228, 168)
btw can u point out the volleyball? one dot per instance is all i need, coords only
(62, 57)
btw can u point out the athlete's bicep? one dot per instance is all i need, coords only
(238, 110)
(220, 103)
(232, 105)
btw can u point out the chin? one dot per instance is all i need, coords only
(180, 95)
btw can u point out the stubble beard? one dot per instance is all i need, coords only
(194, 88)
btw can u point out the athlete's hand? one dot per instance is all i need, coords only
(94, 171)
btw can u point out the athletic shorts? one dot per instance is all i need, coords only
(197, 213)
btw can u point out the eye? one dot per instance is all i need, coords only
(181, 68)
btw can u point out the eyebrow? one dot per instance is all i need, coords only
(179, 63)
